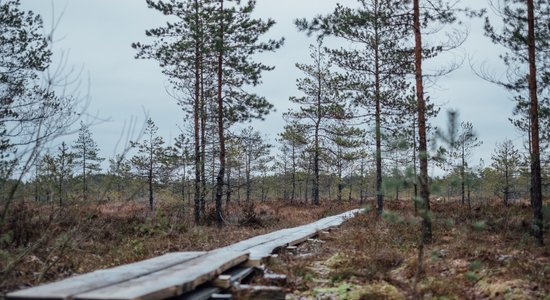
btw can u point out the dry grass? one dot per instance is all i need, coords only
(478, 254)
(43, 243)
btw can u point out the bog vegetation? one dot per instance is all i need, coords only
(359, 133)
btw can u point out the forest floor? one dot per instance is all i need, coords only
(485, 253)
(41, 243)
(481, 253)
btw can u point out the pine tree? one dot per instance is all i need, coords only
(525, 35)
(506, 161)
(460, 140)
(376, 69)
(320, 104)
(346, 142)
(436, 14)
(256, 151)
(234, 164)
(207, 52)
(150, 158)
(293, 142)
(182, 49)
(181, 153)
(237, 39)
(61, 167)
(24, 53)
(86, 155)
(33, 111)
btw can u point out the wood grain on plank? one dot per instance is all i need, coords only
(292, 236)
(172, 281)
(67, 288)
(175, 273)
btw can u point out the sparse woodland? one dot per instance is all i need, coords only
(360, 134)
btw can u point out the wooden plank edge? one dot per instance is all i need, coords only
(235, 275)
(173, 285)
(201, 293)
(41, 292)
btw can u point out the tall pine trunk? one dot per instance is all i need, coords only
(247, 174)
(340, 181)
(84, 182)
(463, 176)
(196, 113)
(150, 178)
(362, 183)
(536, 189)
(316, 176)
(203, 117)
(422, 145)
(221, 133)
(317, 150)
(377, 96)
(415, 172)
(306, 185)
(293, 197)
(228, 190)
(183, 182)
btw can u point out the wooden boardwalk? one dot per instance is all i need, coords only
(175, 274)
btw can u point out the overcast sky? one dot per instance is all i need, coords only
(98, 34)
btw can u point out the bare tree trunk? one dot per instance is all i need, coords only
(183, 183)
(196, 112)
(362, 183)
(228, 190)
(415, 158)
(247, 171)
(284, 180)
(306, 187)
(150, 175)
(340, 181)
(422, 147)
(293, 198)
(506, 186)
(61, 179)
(463, 175)
(36, 183)
(221, 130)
(84, 182)
(317, 150)
(469, 198)
(379, 194)
(239, 187)
(536, 188)
(203, 118)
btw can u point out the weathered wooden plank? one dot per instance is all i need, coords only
(172, 281)
(223, 281)
(260, 249)
(262, 239)
(67, 288)
(144, 280)
(234, 275)
(255, 292)
(201, 293)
